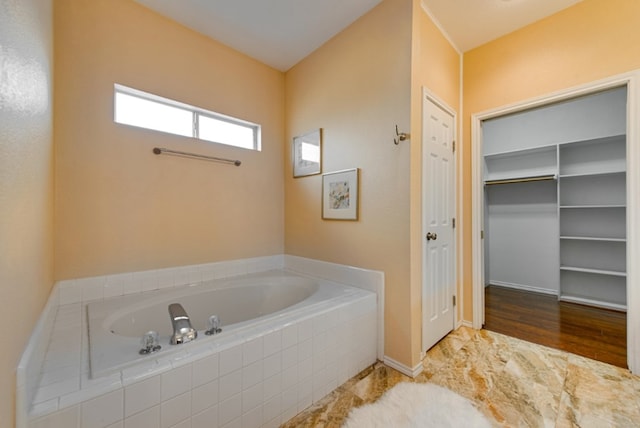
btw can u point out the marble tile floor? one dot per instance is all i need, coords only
(513, 382)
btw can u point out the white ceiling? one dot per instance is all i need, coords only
(282, 32)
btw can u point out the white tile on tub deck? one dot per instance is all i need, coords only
(290, 400)
(104, 410)
(252, 351)
(230, 409)
(320, 323)
(175, 382)
(41, 409)
(204, 396)
(305, 349)
(272, 343)
(289, 356)
(305, 401)
(252, 418)
(165, 278)
(272, 365)
(175, 410)
(144, 371)
(251, 397)
(206, 419)
(252, 374)
(273, 423)
(236, 267)
(130, 284)
(272, 387)
(289, 336)
(290, 376)
(194, 274)
(230, 384)
(114, 285)
(67, 418)
(58, 375)
(70, 292)
(149, 418)
(205, 370)
(141, 396)
(230, 360)
(272, 409)
(319, 360)
(305, 368)
(305, 330)
(184, 424)
(56, 389)
(236, 423)
(92, 288)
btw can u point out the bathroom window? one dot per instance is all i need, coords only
(145, 110)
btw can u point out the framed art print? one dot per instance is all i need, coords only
(340, 195)
(307, 154)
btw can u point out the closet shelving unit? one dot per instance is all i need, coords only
(592, 213)
(591, 180)
(535, 164)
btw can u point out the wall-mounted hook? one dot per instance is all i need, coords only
(401, 136)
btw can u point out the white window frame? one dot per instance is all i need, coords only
(196, 112)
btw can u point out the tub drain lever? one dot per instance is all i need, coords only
(213, 325)
(150, 343)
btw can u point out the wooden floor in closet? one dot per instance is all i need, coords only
(596, 333)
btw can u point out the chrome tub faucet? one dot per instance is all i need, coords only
(182, 330)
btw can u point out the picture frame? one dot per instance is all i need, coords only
(340, 195)
(307, 154)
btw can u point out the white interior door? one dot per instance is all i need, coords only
(438, 207)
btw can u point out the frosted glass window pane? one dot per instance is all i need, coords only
(135, 111)
(220, 131)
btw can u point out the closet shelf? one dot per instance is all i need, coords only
(591, 302)
(595, 271)
(551, 148)
(521, 179)
(593, 238)
(594, 174)
(593, 206)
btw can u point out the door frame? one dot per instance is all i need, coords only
(457, 203)
(632, 80)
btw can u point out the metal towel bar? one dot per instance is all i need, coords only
(160, 150)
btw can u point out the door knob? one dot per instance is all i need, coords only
(432, 236)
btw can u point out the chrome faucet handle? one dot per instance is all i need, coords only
(150, 343)
(213, 325)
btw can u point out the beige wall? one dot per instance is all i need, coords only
(26, 181)
(436, 67)
(356, 88)
(589, 41)
(119, 207)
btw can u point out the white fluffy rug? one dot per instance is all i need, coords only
(409, 405)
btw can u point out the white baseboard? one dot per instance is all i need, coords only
(464, 323)
(524, 287)
(411, 372)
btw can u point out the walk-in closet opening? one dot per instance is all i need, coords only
(554, 224)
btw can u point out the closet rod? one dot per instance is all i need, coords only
(521, 180)
(160, 150)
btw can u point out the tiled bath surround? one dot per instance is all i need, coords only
(258, 379)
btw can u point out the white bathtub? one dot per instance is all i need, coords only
(117, 325)
(257, 372)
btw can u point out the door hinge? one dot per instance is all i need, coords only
(454, 300)
(453, 222)
(453, 145)
(482, 234)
